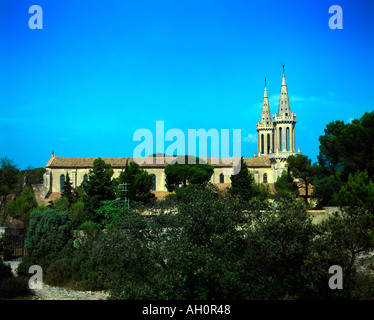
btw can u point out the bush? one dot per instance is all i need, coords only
(23, 267)
(192, 255)
(13, 287)
(76, 213)
(364, 288)
(20, 207)
(10, 286)
(5, 271)
(89, 260)
(6, 246)
(59, 272)
(278, 243)
(49, 232)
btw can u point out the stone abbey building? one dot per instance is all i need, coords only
(276, 141)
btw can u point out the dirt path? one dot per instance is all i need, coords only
(56, 293)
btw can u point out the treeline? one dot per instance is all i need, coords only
(204, 246)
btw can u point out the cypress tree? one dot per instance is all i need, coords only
(68, 190)
(242, 184)
(98, 188)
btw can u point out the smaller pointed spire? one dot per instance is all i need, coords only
(265, 114)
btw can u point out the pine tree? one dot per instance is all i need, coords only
(242, 184)
(139, 183)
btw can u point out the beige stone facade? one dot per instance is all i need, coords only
(79, 167)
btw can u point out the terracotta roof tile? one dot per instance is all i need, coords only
(87, 162)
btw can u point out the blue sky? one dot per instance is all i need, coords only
(98, 71)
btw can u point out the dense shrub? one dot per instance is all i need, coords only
(88, 260)
(10, 286)
(206, 245)
(13, 287)
(6, 246)
(49, 232)
(59, 272)
(193, 255)
(5, 271)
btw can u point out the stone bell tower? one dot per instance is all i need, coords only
(276, 134)
(265, 130)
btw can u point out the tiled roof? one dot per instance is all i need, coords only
(87, 162)
(257, 161)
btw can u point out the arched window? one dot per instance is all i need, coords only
(62, 181)
(221, 178)
(288, 139)
(280, 139)
(268, 143)
(85, 178)
(265, 178)
(262, 143)
(153, 182)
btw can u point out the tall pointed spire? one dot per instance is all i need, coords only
(265, 114)
(284, 102)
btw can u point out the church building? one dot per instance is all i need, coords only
(276, 141)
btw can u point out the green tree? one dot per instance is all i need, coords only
(192, 255)
(11, 286)
(301, 168)
(356, 201)
(20, 207)
(61, 204)
(77, 213)
(330, 144)
(206, 246)
(68, 190)
(285, 185)
(32, 176)
(139, 183)
(111, 211)
(49, 232)
(330, 246)
(242, 183)
(10, 182)
(277, 246)
(346, 148)
(324, 190)
(98, 188)
(178, 173)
